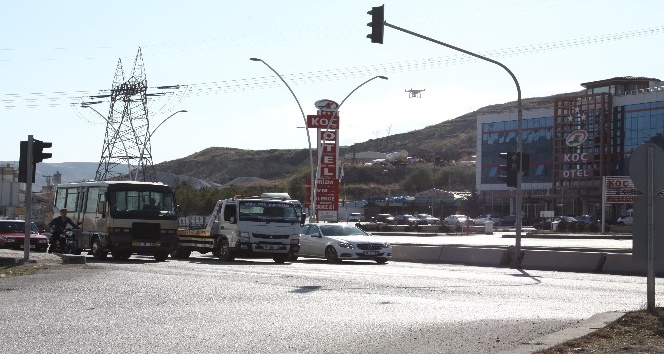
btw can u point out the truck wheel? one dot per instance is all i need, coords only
(280, 258)
(160, 256)
(117, 255)
(224, 251)
(181, 253)
(97, 251)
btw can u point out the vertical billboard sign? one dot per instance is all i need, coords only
(326, 121)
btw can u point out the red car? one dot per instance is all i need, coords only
(12, 235)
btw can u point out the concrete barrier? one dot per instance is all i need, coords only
(588, 262)
(492, 257)
(416, 253)
(622, 263)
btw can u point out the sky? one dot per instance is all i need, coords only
(54, 55)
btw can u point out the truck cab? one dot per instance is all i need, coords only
(258, 227)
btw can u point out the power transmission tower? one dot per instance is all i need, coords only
(127, 139)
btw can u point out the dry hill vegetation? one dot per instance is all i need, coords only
(444, 144)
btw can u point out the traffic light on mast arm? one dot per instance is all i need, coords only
(377, 24)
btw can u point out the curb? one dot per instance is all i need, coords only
(581, 329)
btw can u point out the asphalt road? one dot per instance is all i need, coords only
(205, 306)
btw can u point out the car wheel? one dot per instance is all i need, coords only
(97, 252)
(331, 255)
(381, 260)
(224, 251)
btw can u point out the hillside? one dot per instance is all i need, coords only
(445, 140)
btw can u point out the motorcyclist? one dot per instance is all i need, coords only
(57, 226)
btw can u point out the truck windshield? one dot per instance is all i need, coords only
(268, 211)
(142, 204)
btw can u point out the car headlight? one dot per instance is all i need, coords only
(343, 244)
(43, 241)
(386, 245)
(11, 239)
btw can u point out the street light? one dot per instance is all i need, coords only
(519, 129)
(140, 161)
(304, 119)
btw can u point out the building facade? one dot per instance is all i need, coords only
(574, 141)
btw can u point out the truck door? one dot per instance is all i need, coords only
(228, 223)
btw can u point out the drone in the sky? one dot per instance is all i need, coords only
(415, 93)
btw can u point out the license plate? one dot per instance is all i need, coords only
(31, 246)
(270, 247)
(142, 244)
(370, 253)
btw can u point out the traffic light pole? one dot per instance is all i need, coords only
(28, 199)
(517, 247)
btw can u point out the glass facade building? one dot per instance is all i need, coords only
(574, 142)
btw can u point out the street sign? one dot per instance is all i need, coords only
(637, 170)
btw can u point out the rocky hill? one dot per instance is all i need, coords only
(446, 141)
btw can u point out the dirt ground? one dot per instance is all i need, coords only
(635, 332)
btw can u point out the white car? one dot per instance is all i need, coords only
(355, 217)
(482, 219)
(457, 220)
(337, 242)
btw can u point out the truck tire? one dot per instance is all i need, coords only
(97, 252)
(224, 251)
(280, 258)
(180, 253)
(161, 256)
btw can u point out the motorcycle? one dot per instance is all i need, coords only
(66, 243)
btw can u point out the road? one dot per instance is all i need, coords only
(310, 306)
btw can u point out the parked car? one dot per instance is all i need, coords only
(384, 218)
(482, 219)
(546, 224)
(587, 219)
(355, 217)
(12, 235)
(406, 219)
(337, 242)
(627, 219)
(507, 220)
(427, 219)
(457, 220)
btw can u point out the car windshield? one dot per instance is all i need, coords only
(341, 230)
(16, 226)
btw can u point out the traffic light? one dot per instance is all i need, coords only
(525, 163)
(38, 154)
(509, 170)
(377, 24)
(23, 163)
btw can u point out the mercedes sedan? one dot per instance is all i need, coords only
(337, 242)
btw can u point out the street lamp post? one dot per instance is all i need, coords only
(518, 206)
(304, 118)
(140, 161)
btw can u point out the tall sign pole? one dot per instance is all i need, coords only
(28, 197)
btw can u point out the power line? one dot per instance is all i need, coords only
(59, 98)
